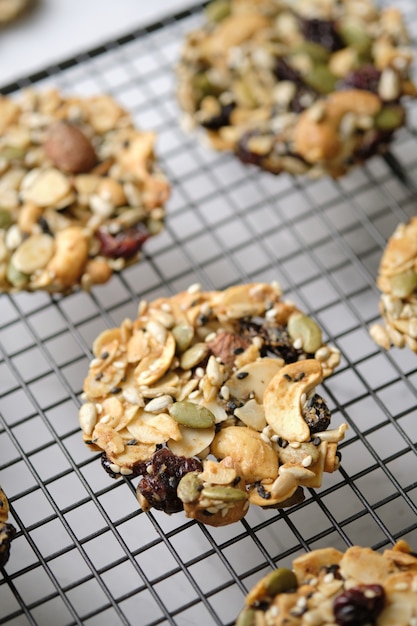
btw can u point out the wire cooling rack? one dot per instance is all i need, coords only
(84, 553)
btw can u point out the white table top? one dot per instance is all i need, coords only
(58, 29)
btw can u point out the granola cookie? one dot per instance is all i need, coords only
(397, 281)
(210, 398)
(12, 9)
(304, 86)
(7, 531)
(80, 191)
(327, 587)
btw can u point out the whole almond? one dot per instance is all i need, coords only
(69, 149)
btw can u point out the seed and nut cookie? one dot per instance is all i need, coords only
(327, 587)
(7, 531)
(11, 9)
(80, 191)
(397, 281)
(299, 86)
(229, 375)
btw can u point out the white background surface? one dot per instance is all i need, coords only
(57, 29)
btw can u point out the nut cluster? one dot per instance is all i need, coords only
(80, 191)
(327, 587)
(397, 280)
(305, 87)
(229, 375)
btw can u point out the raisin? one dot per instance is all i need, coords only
(284, 71)
(280, 343)
(161, 476)
(322, 32)
(359, 605)
(243, 151)
(7, 533)
(316, 414)
(365, 78)
(219, 120)
(125, 243)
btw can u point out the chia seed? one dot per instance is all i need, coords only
(242, 375)
(104, 355)
(99, 376)
(115, 390)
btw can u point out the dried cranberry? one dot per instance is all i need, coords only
(219, 120)
(365, 78)
(374, 142)
(359, 605)
(243, 152)
(284, 71)
(280, 343)
(322, 32)
(125, 243)
(316, 414)
(162, 474)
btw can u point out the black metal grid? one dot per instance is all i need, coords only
(84, 553)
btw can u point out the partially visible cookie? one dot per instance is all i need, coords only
(327, 587)
(202, 377)
(304, 86)
(397, 280)
(80, 191)
(7, 531)
(11, 9)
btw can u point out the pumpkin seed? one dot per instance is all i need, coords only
(282, 579)
(354, 35)
(246, 618)
(6, 219)
(317, 52)
(15, 277)
(188, 489)
(389, 118)
(10, 153)
(305, 329)
(403, 284)
(225, 494)
(321, 79)
(183, 335)
(194, 355)
(191, 415)
(34, 253)
(216, 11)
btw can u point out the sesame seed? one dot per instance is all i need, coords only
(307, 461)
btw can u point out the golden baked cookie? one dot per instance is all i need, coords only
(397, 281)
(80, 191)
(7, 531)
(327, 587)
(298, 86)
(12, 9)
(210, 397)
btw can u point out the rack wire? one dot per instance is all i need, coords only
(84, 552)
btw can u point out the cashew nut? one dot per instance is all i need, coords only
(283, 398)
